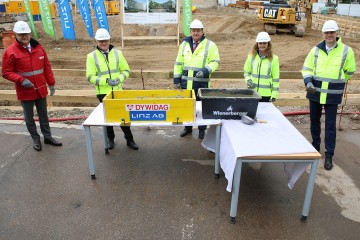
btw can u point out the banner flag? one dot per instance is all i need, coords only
(186, 16)
(30, 18)
(46, 18)
(85, 14)
(100, 13)
(67, 24)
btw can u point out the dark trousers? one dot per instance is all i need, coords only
(110, 130)
(265, 99)
(330, 126)
(203, 127)
(41, 108)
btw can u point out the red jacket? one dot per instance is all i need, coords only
(18, 63)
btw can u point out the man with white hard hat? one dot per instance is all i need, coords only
(262, 69)
(107, 69)
(197, 59)
(325, 71)
(26, 64)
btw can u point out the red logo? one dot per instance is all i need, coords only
(129, 107)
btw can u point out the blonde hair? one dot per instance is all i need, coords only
(268, 51)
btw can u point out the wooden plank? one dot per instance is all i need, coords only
(150, 37)
(163, 73)
(296, 99)
(282, 81)
(88, 96)
(283, 75)
(61, 96)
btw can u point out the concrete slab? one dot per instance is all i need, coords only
(166, 190)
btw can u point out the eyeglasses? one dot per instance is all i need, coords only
(332, 32)
(23, 34)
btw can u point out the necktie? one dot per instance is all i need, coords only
(28, 48)
(106, 56)
(195, 45)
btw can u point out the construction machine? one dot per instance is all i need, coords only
(279, 14)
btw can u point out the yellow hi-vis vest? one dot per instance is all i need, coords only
(264, 73)
(328, 72)
(99, 70)
(187, 64)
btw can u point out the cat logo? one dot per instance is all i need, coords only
(270, 13)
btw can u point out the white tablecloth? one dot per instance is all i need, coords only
(277, 136)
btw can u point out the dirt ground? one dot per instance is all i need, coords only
(233, 30)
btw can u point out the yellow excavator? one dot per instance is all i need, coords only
(279, 14)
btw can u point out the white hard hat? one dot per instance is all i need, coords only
(21, 27)
(196, 24)
(102, 34)
(263, 37)
(330, 26)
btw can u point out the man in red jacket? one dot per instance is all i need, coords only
(26, 64)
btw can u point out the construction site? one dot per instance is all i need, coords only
(232, 29)
(151, 50)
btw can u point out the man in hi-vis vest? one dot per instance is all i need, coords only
(197, 59)
(107, 69)
(326, 69)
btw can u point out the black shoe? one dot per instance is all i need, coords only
(185, 132)
(201, 134)
(328, 165)
(37, 145)
(132, 145)
(111, 144)
(52, 141)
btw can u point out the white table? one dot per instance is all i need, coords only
(276, 141)
(96, 118)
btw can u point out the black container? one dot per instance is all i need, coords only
(228, 103)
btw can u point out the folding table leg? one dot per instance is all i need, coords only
(309, 190)
(217, 151)
(235, 191)
(89, 149)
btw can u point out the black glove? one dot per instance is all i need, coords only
(310, 88)
(203, 73)
(177, 80)
(272, 99)
(199, 74)
(250, 84)
(113, 82)
(27, 84)
(52, 90)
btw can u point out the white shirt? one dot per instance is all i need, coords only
(28, 47)
(328, 49)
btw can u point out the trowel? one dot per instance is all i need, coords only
(249, 121)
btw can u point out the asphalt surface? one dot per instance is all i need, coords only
(165, 190)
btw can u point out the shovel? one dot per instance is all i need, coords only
(249, 121)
